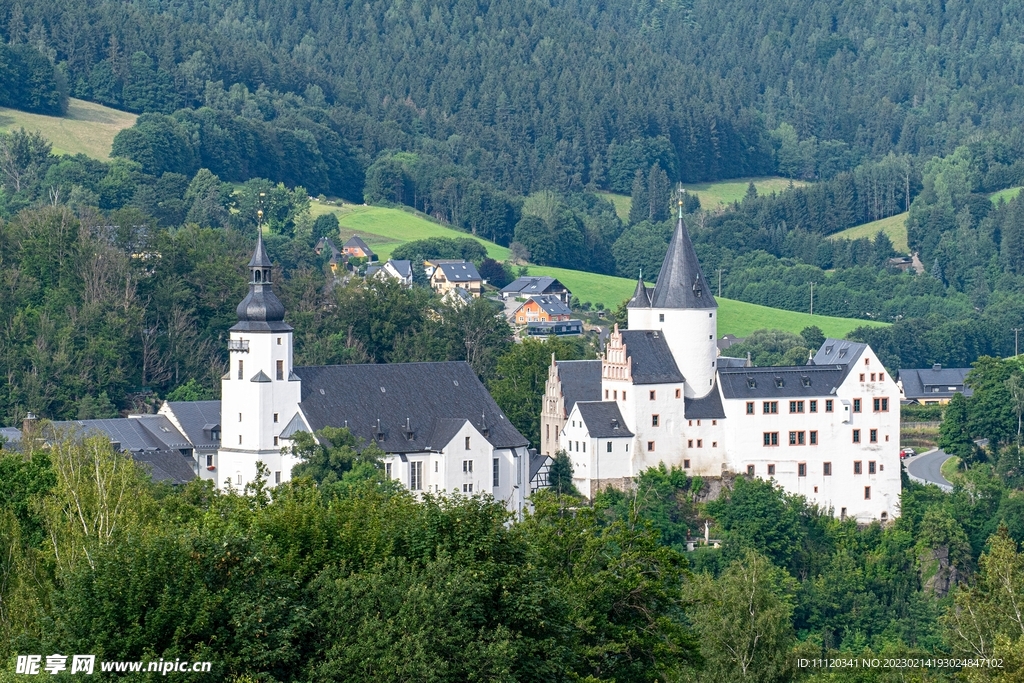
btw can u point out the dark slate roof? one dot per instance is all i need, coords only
(641, 296)
(581, 381)
(838, 352)
(796, 381)
(198, 419)
(652, 360)
(294, 425)
(357, 396)
(372, 268)
(708, 407)
(260, 310)
(327, 242)
(152, 440)
(681, 282)
(551, 304)
(533, 285)
(402, 266)
(934, 382)
(537, 461)
(463, 271)
(444, 431)
(10, 435)
(603, 419)
(356, 241)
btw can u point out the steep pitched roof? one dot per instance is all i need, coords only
(549, 303)
(357, 242)
(198, 420)
(11, 435)
(641, 296)
(402, 266)
(838, 352)
(581, 381)
(681, 282)
(782, 382)
(259, 255)
(653, 362)
(357, 396)
(603, 419)
(462, 271)
(527, 285)
(934, 382)
(708, 407)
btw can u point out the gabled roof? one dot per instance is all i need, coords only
(708, 407)
(357, 396)
(652, 360)
(198, 420)
(296, 424)
(462, 271)
(443, 432)
(782, 382)
(402, 266)
(581, 381)
(527, 285)
(934, 382)
(11, 435)
(356, 242)
(681, 282)
(373, 268)
(549, 303)
(838, 352)
(641, 296)
(603, 419)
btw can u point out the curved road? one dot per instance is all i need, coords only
(925, 468)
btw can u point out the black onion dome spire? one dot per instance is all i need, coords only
(260, 310)
(681, 283)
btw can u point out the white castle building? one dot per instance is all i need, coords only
(828, 430)
(439, 427)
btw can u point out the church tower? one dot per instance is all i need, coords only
(259, 394)
(682, 306)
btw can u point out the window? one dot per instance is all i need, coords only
(238, 478)
(856, 405)
(416, 476)
(239, 439)
(871, 466)
(606, 394)
(686, 463)
(467, 466)
(435, 466)
(277, 477)
(275, 417)
(771, 438)
(873, 436)
(495, 472)
(885, 516)
(467, 443)
(689, 443)
(547, 431)
(856, 467)
(872, 377)
(387, 470)
(856, 436)
(813, 406)
(867, 493)
(750, 470)
(650, 445)
(797, 438)
(750, 407)
(240, 371)
(796, 406)
(714, 444)
(862, 377)
(771, 470)
(814, 437)
(276, 443)
(615, 395)
(770, 407)
(690, 424)
(584, 446)
(653, 394)
(881, 378)
(801, 469)
(239, 417)
(608, 447)
(679, 393)
(700, 443)
(280, 369)
(826, 469)
(828, 405)
(881, 405)
(654, 420)
(661, 317)
(842, 513)
(467, 488)
(209, 459)
(623, 394)
(792, 438)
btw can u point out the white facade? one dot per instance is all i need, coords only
(690, 333)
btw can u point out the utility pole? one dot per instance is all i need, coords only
(719, 283)
(812, 298)
(1016, 351)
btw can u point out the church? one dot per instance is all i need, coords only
(438, 426)
(828, 430)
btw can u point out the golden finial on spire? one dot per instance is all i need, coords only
(680, 194)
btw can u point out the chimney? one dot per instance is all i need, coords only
(28, 425)
(936, 367)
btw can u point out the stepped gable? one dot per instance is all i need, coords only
(651, 360)
(681, 282)
(260, 310)
(403, 407)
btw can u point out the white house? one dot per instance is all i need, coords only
(828, 430)
(439, 428)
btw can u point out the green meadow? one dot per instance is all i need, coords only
(87, 128)
(893, 226)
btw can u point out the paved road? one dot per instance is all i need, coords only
(925, 468)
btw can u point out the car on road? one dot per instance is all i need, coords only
(907, 453)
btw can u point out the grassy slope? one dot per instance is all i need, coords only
(893, 226)
(384, 229)
(713, 195)
(87, 129)
(1006, 195)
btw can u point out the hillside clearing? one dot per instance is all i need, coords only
(1004, 195)
(893, 226)
(87, 129)
(716, 195)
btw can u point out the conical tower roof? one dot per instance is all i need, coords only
(681, 282)
(641, 296)
(259, 256)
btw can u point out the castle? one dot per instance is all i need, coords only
(828, 430)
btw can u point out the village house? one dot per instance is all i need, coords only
(543, 308)
(933, 386)
(355, 247)
(451, 275)
(527, 286)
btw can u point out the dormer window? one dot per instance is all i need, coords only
(697, 289)
(751, 382)
(779, 383)
(806, 381)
